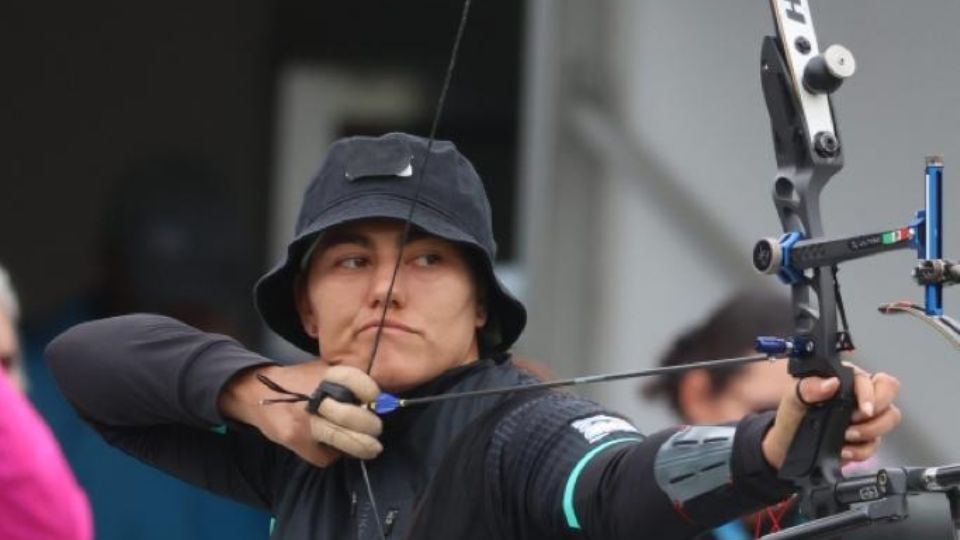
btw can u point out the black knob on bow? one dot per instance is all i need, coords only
(827, 71)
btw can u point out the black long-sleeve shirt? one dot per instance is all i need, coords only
(533, 465)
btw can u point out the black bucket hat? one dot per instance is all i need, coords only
(376, 177)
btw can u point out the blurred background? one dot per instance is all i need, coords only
(154, 156)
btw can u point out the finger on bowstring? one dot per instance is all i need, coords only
(879, 425)
(357, 381)
(358, 445)
(815, 389)
(352, 417)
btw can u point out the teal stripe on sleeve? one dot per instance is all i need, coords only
(733, 530)
(568, 510)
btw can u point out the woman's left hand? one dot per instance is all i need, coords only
(875, 415)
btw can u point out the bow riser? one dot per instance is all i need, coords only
(808, 154)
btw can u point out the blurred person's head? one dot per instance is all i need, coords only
(10, 359)
(722, 395)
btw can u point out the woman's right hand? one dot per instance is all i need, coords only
(287, 424)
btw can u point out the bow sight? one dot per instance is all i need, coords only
(797, 81)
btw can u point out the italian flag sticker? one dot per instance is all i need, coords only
(898, 235)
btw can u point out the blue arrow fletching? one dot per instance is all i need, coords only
(386, 403)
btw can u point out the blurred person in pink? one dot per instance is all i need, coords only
(39, 496)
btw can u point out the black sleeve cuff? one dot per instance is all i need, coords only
(210, 371)
(752, 475)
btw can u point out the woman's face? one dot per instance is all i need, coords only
(432, 315)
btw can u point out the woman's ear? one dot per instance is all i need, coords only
(481, 319)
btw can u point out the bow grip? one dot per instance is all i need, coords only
(813, 459)
(327, 389)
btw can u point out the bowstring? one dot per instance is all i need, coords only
(438, 112)
(408, 222)
(373, 502)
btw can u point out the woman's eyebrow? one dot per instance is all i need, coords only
(344, 237)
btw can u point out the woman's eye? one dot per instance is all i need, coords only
(427, 259)
(352, 262)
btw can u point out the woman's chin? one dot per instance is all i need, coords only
(395, 387)
(395, 381)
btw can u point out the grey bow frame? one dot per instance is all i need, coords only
(808, 154)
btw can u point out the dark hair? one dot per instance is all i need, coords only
(727, 332)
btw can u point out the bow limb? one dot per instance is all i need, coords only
(944, 325)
